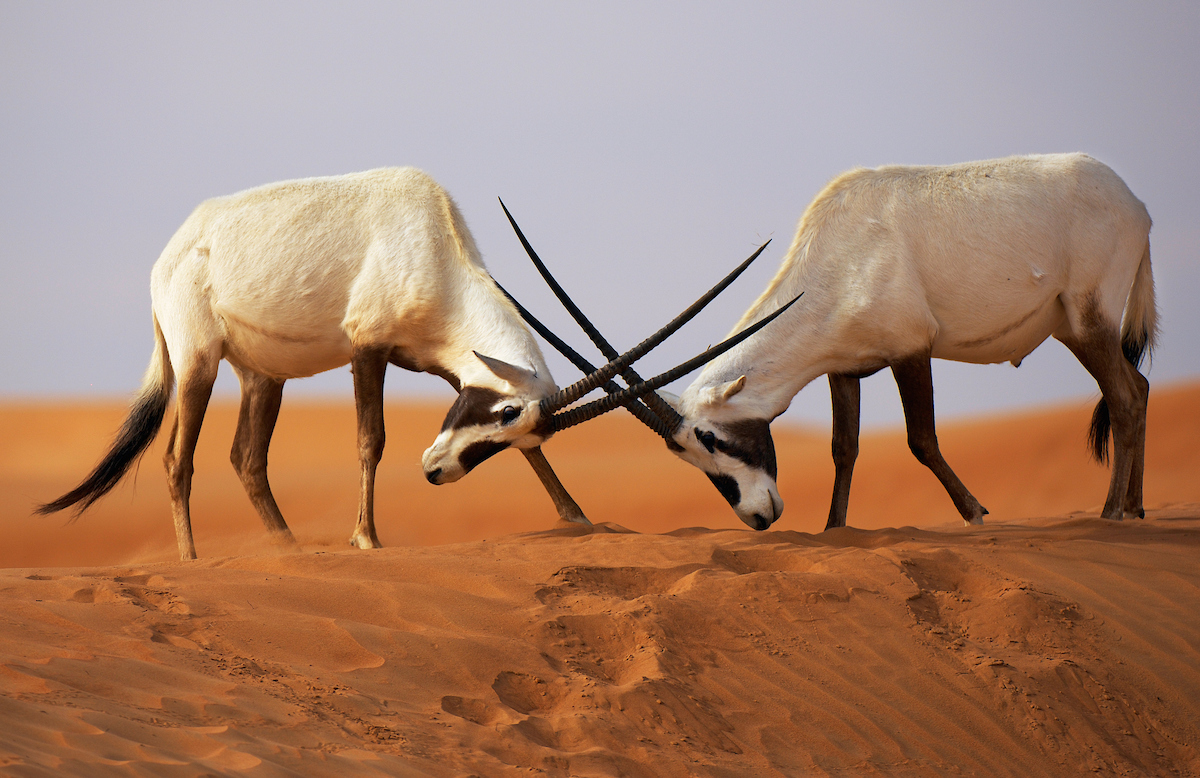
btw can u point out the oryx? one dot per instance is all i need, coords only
(295, 278)
(978, 262)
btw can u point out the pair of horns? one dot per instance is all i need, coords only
(653, 419)
(651, 410)
(655, 413)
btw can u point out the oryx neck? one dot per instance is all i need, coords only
(490, 325)
(785, 356)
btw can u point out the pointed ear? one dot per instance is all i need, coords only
(733, 387)
(515, 375)
(670, 399)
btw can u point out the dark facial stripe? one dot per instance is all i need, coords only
(750, 442)
(728, 488)
(478, 451)
(473, 406)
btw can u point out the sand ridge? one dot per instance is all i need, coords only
(668, 640)
(1045, 647)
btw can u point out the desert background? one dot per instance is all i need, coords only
(667, 640)
(645, 148)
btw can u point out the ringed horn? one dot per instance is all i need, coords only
(657, 414)
(561, 421)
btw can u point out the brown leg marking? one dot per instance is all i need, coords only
(261, 397)
(845, 391)
(915, 381)
(1127, 392)
(1133, 496)
(368, 364)
(195, 388)
(567, 509)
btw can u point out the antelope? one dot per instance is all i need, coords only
(978, 262)
(291, 279)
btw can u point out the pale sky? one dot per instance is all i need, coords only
(645, 148)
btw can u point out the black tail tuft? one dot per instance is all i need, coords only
(135, 436)
(1135, 348)
(1098, 434)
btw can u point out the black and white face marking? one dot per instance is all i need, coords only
(748, 441)
(739, 458)
(474, 406)
(481, 423)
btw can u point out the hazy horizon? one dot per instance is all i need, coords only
(644, 149)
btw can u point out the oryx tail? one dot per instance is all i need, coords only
(135, 436)
(1139, 333)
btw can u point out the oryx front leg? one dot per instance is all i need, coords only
(915, 381)
(846, 394)
(195, 389)
(568, 509)
(261, 397)
(368, 364)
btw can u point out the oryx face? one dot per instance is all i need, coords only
(484, 421)
(737, 454)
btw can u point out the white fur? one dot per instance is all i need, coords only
(978, 262)
(286, 280)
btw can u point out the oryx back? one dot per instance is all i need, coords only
(282, 279)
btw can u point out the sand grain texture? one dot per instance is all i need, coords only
(666, 641)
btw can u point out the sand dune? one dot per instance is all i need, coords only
(665, 641)
(1032, 464)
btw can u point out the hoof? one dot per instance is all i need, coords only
(577, 518)
(358, 541)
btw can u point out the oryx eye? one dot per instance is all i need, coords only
(509, 414)
(708, 439)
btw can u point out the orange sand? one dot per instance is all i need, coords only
(484, 642)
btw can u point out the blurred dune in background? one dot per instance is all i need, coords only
(668, 640)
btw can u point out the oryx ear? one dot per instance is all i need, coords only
(515, 375)
(670, 399)
(730, 389)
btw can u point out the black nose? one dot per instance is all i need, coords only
(761, 522)
(432, 476)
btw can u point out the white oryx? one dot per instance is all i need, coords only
(979, 262)
(291, 279)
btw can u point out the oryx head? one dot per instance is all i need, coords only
(499, 405)
(732, 444)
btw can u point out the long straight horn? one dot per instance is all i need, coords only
(645, 415)
(573, 392)
(562, 421)
(670, 420)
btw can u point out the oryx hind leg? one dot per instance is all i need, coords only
(914, 378)
(1126, 393)
(568, 509)
(195, 388)
(846, 394)
(261, 398)
(368, 364)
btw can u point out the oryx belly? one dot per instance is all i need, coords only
(997, 309)
(282, 316)
(275, 349)
(997, 331)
